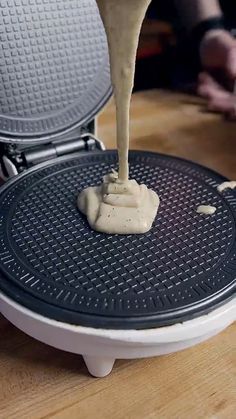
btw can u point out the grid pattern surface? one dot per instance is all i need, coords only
(50, 251)
(53, 64)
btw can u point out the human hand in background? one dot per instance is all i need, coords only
(218, 55)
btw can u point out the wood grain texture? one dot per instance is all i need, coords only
(37, 381)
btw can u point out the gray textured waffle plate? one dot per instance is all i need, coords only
(54, 67)
(53, 263)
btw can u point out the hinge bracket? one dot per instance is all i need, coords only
(33, 155)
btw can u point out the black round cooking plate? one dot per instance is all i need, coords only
(53, 263)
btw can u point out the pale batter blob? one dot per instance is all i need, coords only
(120, 205)
(226, 185)
(206, 209)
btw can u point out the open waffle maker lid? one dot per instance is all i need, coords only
(54, 264)
(54, 68)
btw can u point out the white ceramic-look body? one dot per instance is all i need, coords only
(100, 347)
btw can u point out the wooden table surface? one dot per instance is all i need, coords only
(37, 381)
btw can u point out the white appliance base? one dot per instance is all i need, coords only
(101, 347)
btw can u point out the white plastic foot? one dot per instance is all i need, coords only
(99, 367)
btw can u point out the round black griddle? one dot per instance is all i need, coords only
(54, 264)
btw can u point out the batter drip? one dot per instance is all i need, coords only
(206, 209)
(120, 205)
(226, 185)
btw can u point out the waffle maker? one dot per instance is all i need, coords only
(102, 296)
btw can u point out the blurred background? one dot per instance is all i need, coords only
(166, 57)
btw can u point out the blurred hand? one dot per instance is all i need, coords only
(218, 54)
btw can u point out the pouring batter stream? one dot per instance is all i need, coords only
(121, 205)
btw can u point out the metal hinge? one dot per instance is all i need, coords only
(14, 162)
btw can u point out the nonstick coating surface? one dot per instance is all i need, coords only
(54, 67)
(53, 263)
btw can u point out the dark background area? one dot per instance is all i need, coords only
(166, 57)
